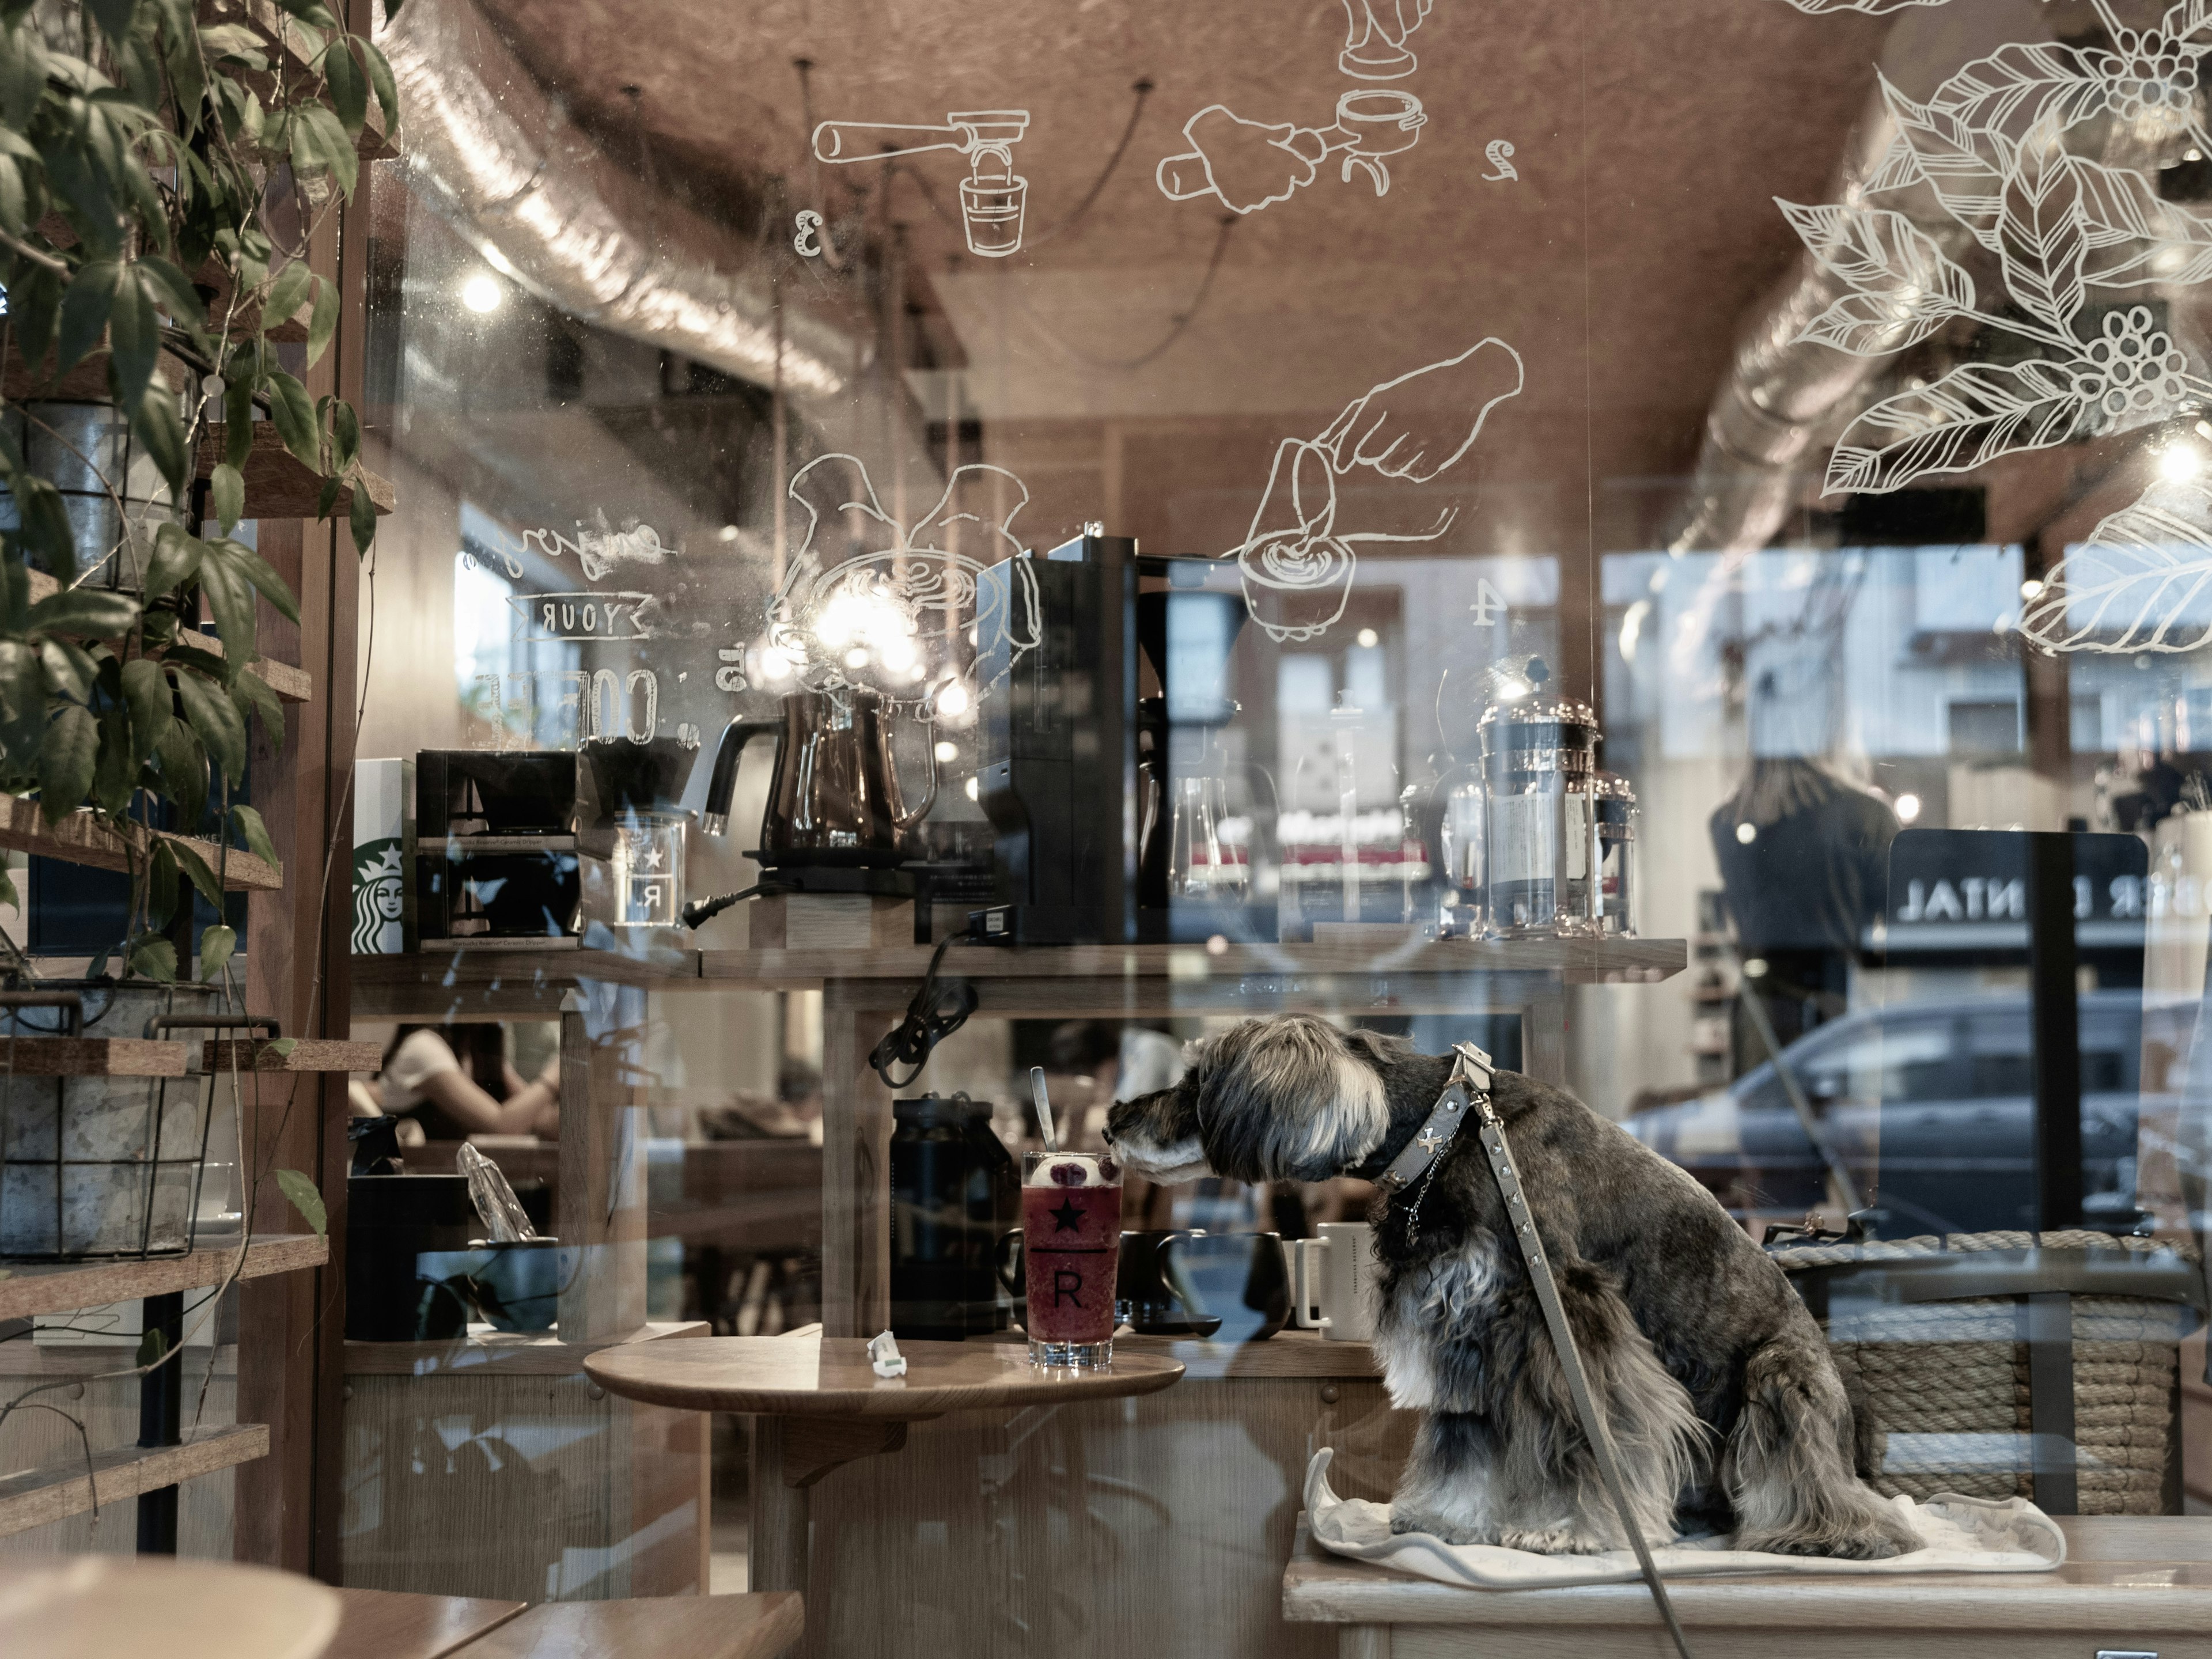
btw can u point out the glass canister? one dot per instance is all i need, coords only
(1539, 852)
(1601, 855)
(954, 1190)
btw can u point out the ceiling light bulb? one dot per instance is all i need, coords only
(975, 790)
(953, 701)
(2031, 589)
(1370, 638)
(482, 292)
(728, 532)
(2180, 462)
(947, 752)
(1745, 834)
(1908, 808)
(856, 658)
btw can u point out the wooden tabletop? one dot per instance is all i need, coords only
(830, 1376)
(377, 1623)
(2133, 1573)
(756, 1626)
(96, 1607)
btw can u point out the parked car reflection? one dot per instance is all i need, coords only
(1929, 1108)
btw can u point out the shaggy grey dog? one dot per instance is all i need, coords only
(1716, 1385)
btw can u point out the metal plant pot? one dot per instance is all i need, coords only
(101, 1166)
(75, 445)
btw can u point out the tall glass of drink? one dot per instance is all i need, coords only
(1071, 1246)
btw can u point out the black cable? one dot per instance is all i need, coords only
(1143, 89)
(702, 911)
(936, 1012)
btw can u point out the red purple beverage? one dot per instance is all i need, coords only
(1070, 1245)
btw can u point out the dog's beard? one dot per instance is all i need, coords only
(1183, 1160)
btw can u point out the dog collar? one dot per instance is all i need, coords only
(1469, 1083)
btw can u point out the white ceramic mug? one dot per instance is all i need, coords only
(1334, 1281)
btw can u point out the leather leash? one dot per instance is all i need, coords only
(1472, 1076)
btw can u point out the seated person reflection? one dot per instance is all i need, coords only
(443, 1078)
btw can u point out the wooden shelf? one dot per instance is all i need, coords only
(509, 1353)
(40, 1287)
(78, 840)
(278, 485)
(37, 1497)
(308, 1054)
(67, 1056)
(289, 683)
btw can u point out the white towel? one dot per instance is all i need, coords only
(1958, 1534)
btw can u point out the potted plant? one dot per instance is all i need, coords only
(151, 151)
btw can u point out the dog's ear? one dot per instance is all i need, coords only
(1288, 1098)
(1379, 1049)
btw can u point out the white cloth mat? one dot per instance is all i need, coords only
(1958, 1535)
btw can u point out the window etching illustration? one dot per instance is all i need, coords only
(993, 196)
(1295, 567)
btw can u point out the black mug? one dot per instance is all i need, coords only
(1146, 1296)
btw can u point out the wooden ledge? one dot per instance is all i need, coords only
(78, 840)
(56, 1490)
(67, 1056)
(755, 1626)
(37, 1287)
(307, 1054)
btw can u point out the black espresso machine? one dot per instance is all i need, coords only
(1098, 747)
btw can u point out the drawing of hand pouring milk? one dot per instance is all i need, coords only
(993, 196)
(1251, 164)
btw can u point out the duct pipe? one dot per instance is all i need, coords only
(538, 199)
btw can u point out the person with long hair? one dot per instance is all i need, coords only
(456, 1081)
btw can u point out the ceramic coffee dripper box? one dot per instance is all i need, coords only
(1334, 1282)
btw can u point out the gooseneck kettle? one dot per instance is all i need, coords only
(834, 801)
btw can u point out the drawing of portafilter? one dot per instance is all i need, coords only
(1250, 164)
(993, 196)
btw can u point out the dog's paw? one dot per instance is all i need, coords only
(1554, 1541)
(1872, 1543)
(1449, 1532)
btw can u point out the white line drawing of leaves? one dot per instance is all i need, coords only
(1905, 288)
(2131, 586)
(1900, 169)
(1871, 8)
(2020, 85)
(2041, 239)
(2135, 237)
(1949, 156)
(1974, 414)
(2190, 21)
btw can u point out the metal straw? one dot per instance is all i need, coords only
(1043, 1111)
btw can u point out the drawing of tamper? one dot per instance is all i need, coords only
(1375, 37)
(992, 197)
(1250, 164)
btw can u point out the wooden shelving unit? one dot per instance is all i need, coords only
(28, 1288)
(78, 840)
(36, 1497)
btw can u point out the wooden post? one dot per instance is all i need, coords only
(856, 1189)
(1544, 1032)
(777, 1539)
(602, 1220)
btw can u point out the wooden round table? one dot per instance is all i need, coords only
(816, 1403)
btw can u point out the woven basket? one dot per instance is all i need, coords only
(1946, 1384)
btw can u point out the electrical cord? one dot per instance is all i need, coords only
(936, 1012)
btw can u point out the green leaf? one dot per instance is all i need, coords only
(115, 774)
(157, 423)
(22, 706)
(85, 307)
(250, 690)
(23, 73)
(235, 40)
(237, 415)
(69, 672)
(14, 900)
(152, 1345)
(86, 613)
(345, 435)
(153, 956)
(217, 944)
(34, 305)
(304, 1198)
(15, 200)
(281, 1047)
(327, 496)
(196, 871)
(177, 557)
(162, 885)
(287, 294)
(362, 516)
(134, 337)
(152, 703)
(66, 760)
(323, 325)
(170, 289)
(215, 721)
(230, 596)
(256, 569)
(227, 490)
(114, 18)
(293, 412)
(256, 834)
(347, 87)
(330, 144)
(380, 76)
(184, 773)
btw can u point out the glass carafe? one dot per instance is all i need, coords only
(1201, 864)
